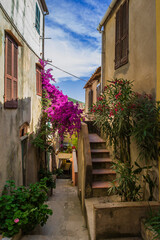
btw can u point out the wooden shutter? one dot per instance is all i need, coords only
(11, 73)
(38, 80)
(118, 39)
(124, 37)
(121, 38)
(37, 19)
(90, 99)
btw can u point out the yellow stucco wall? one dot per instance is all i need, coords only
(158, 62)
(141, 66)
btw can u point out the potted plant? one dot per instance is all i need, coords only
(22, 208)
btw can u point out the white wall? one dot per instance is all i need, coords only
(23, 14)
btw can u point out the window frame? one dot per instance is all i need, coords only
(122, 35)
(12, 102)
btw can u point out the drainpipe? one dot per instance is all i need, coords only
(102, 61)
(106, 15)
(99, 28)
(43, 34)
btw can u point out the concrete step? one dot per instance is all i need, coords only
(100, 188)
(95, 138)
(103, 175)
(99, 153)
(101, 184)
(101, 163)
(98, 145)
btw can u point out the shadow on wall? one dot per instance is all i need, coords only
(18, 156)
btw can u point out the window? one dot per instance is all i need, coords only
(121, 43)
(38, 80)
(90, 98)
(98, 90)
(11, 73)
(37, 23)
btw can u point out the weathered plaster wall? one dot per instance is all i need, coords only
(142, 46)
(29, 109)
(22, 13)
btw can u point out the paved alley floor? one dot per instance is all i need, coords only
(67, 221)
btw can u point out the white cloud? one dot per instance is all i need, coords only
(77, 59)
(75, 45)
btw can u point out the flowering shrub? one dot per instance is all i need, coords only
(23, 208)
(122, 113)
(112, 113)
(63, 114)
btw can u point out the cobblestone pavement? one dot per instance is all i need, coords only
(67, 221)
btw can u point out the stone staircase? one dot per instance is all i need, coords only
(101, 163)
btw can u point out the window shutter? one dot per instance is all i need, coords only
(11, 73)
(38, 80)
(124, 38)
(90, 99)
(121, 38)
(118, 39)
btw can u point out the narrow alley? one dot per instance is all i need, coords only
(67, 221)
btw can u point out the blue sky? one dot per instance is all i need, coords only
(76, 44)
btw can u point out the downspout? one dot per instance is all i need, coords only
(43, 34)
(99, 28)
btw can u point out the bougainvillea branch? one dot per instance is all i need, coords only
(63, 114)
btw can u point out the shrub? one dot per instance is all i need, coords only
(23, 208)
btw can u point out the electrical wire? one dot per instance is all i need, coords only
(67, 72)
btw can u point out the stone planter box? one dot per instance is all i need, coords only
(147, 234)
(16, 237)
(121, 219)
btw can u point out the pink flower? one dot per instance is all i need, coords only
(16, 220)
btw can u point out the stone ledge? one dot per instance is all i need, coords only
(121, 219)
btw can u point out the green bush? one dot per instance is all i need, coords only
(43, 173)
(153, 223)
(23, 208)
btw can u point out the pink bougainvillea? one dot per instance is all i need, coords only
(63, 114)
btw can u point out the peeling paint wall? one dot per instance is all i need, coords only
(23, 14)
(29, 104)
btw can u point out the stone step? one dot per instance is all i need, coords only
(103, 175)
(97, 145)
(101, 163)
(95, 138)
(105, 184)
(100, 188)
(99, 153)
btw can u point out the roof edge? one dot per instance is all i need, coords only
(44, 5)
(111, 6)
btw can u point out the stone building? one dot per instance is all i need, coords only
(92, 89)
(21, 46)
